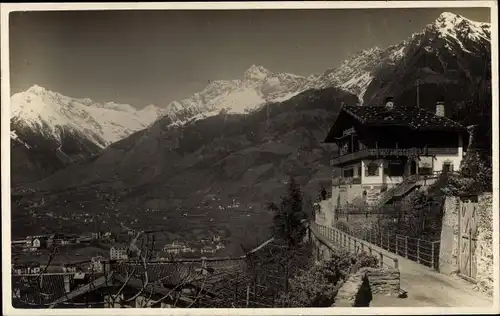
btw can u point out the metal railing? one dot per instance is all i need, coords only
(353, 244)
(341, 181)
(394, 151)
(407, 184)
(409, 181)
(418, 250)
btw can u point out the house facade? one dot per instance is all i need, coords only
(380, 147)
(96, 264)
(118, 253)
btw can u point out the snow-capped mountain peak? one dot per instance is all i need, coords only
(256, 72)
(448, 20)
(456, 26)
(257, 86)
(37, 89)
(53, 115)
(448, 50)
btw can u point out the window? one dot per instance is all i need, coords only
(372, 170)
(348, 173)
(425, 165)
(360, 145)
(447, 167)
(395, 169)
(425, 170)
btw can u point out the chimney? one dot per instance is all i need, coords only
(440, 108)
(389, 103)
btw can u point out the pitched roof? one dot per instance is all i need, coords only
(411, 117)
(108, 280)
(175, 273)
(52, 288)
(94, 285)
(31, 290)
(41, 290)
(166, 273)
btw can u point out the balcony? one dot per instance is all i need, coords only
(340, 181)
(382, 152)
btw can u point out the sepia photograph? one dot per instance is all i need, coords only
(282, 157)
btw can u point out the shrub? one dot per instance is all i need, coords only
(318, 286)
(475, 176)
(311, 288)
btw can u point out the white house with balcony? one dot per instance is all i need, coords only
(380, 147)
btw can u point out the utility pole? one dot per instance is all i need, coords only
(418, 93)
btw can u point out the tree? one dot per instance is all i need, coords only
(287, 222)
(287, 227)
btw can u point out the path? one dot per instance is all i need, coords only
(425, 286)
(428, 288)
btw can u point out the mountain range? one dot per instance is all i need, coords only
(238, 138)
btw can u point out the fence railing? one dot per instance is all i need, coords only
(418, 250)
(369, 210)
(353, 244)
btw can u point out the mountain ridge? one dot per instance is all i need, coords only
(198, 160)
(370, 74)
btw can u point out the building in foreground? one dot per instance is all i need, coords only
(391, 148)
(118, 253)
(119, 285)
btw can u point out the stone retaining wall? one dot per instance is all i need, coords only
(359, 288)
(484, 249)
(355, 292)
(448, 252)
(384, 280)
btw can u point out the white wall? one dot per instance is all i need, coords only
(460, 146)
(349, 192)
(327, 210)
(454, 159)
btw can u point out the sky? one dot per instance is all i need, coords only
(155, 57)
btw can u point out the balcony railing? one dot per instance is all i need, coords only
(381, 152)
(341, 181)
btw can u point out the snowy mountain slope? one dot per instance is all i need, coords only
(369, 69)
(452, 54)
(257, 87)
(50, 114)
(50, 130)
